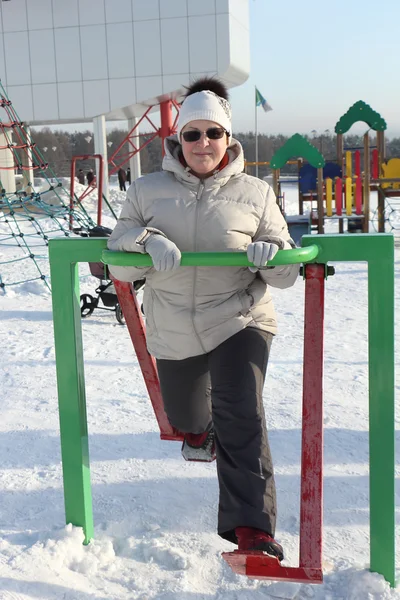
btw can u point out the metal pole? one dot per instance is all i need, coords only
(134, 161)
(339, 152)
(366, 183)
(256, 128)
(382, 413)
(100, 148)
(71, 392)
(312, 428)
(166, 121)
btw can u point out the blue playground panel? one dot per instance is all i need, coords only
(308, 176)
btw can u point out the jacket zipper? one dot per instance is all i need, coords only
(200, 191)
(198, 197)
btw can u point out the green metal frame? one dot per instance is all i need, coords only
(376, 250)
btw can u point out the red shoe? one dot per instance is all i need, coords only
(199, 446)
(250, 538)
(196, 440)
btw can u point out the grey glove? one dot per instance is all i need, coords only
(165, 255)
(259, 253)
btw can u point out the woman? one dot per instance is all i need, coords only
(211, 328)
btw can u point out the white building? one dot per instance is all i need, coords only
(69, 61)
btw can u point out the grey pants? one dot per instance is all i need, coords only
(224, 387)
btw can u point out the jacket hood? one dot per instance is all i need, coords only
(172, 163)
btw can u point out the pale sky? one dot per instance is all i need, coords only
(311, 60)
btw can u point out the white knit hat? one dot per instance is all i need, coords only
(208, 106)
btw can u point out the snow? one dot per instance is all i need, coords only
(155, 515)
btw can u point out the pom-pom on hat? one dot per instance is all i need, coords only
(205, 105)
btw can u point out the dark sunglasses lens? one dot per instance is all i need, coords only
(191, 136)
(215, 133)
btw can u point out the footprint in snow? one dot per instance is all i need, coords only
(166, 557)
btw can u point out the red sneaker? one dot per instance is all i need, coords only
(199, 446)
(196, 440)
(250, 538)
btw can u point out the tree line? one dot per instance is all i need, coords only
(58, 147)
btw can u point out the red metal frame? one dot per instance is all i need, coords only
(167, 123)
(90, 187)
(256, 564)
(19, 132)
(312, 432)
(168, 127)
(134, 321)
(16, 128)
(375, 164)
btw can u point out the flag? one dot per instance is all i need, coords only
(261, 101)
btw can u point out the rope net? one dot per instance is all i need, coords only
(37, 208)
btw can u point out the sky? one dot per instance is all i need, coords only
(312, 60)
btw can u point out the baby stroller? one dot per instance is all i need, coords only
(105, 292)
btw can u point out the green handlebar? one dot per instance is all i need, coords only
(212, 259)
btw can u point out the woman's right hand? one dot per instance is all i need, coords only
(259, 253)
(165, 255)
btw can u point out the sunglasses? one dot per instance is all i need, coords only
(214, 133)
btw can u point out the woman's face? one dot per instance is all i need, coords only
(204, 155)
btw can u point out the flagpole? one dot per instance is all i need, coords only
(256, 128)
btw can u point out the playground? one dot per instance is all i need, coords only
(153, 513)
(148, 527)
(346, 543)
(97, 502)
(356, 191)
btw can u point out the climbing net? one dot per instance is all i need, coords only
(30, 215)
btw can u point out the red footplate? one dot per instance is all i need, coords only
(262, 566)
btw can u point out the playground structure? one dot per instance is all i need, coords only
(104, 69)
(72, 68)
(29, 217)
(340, 189)
(334, 190)
(316, 252)
(117, 91)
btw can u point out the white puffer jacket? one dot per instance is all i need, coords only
(191, 310)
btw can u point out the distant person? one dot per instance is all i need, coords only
(90, 177)
(122, 179)
(81, 177)
(128, 176)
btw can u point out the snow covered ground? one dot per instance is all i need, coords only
(155, 515)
